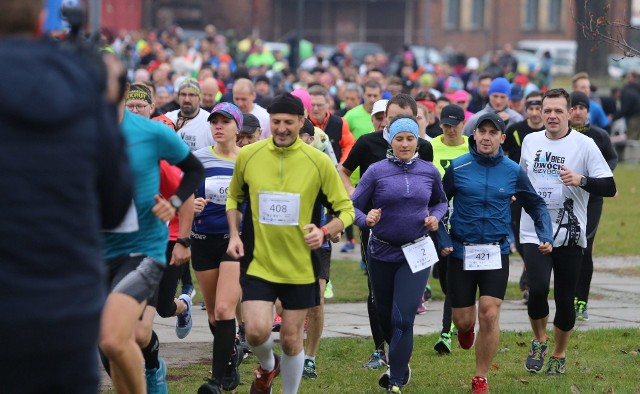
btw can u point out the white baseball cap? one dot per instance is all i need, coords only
(379, 106)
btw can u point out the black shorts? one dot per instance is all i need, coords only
(135, 275)
(462, 285)
(209, 250)
(324, 259)
(293, 297)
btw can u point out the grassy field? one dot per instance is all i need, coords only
(603, 361)
(621, 216)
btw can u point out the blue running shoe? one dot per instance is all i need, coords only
(157, 379)
(184, 322)
(189, 290)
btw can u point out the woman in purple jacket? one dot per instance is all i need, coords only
(408, 201)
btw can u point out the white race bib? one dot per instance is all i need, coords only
(482, 257)
(130, 222)
(216, 188)
(420, 254)
(551, 193)
(279, 209)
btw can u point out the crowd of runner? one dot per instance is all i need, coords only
(249, 171)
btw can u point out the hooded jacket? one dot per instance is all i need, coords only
(481, 188)
(64, 177)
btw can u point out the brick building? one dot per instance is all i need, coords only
(472, 26)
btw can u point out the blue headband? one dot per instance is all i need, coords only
(403, 125)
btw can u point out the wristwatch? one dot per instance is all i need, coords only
(175, 202)
(327, 234)
(583, 181)
(186, 242)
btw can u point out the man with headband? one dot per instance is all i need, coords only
(191, 120)
(283, 181)
(511, 146)
(135, 250)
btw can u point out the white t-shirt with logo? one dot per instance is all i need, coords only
(541, 160)
(196, 132)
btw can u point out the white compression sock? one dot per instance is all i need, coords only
(291, 371)
(264, 352)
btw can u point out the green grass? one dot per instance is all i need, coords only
(621, 216)
(600, 361)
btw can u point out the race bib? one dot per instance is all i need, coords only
(216, 188)
(279, 209)
(482, 257)
(420, 254)
(130, 222)
(551, 193)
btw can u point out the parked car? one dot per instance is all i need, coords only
(563, 53)
(359, 50)
(619, 65)
(524, 59)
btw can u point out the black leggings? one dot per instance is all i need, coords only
(441, 266)
(166, 293)
(374, 323)
(594, 211)
(565, 262)
(398, 292)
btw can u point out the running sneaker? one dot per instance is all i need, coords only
(328, 291)
(479, 385)
(421, 308)
(556, 366)
(377, 360)
(466, 339)
(383, 381)
(189, 290)
(443, 346)
(535, 359)
(309, 370)
(231, 378)
(210, 387)
(277, 323)
(394, 390)
(157, 379)
(264, 379)
(426, 296)
(348, 246)
(581, 311)
(184, 321)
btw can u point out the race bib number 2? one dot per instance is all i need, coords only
(279, 209)
(420, 254)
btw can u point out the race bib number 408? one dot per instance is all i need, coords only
(279, 209)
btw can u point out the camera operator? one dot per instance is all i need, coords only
(64, 176)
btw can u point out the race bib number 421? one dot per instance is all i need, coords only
(482, 257)
(279, 209)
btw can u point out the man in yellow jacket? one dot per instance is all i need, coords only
(283, 182)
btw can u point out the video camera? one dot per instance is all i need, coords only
(76, 41)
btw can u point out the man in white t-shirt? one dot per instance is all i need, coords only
(191, 120)
(564, 167)
(244, 96)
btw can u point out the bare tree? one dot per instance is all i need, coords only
(595, 31)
